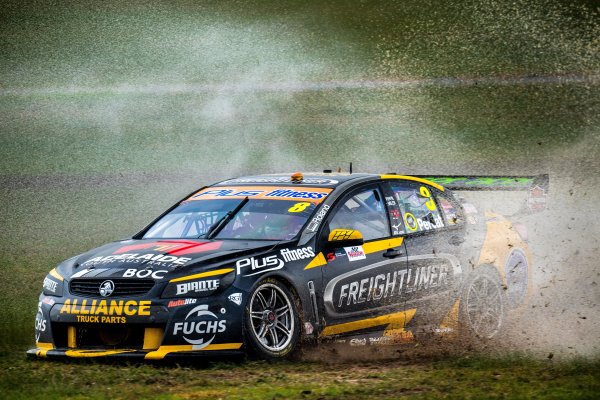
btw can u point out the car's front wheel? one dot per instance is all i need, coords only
(272, 323)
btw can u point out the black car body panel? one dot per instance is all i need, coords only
(156, 297)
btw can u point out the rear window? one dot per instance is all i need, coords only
(418, 207)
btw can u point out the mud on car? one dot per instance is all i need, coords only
(261, 264)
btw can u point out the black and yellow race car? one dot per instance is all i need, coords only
(262, 264)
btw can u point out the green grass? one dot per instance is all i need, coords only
(478, 377)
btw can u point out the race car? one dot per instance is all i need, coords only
(263, 264)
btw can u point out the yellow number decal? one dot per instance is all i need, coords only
(298, 207)
(425, 193)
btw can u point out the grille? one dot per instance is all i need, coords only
(123, 287)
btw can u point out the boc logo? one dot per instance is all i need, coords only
(200, 327)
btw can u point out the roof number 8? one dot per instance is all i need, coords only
(298, 207)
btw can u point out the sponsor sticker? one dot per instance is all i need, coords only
(391, 284)
(297, 254)
(236, 298)
(317, 219)
(260, 265)
(40, 323)
(310, 194)
(181, 302)
(358, 342)
(197, 286)
(105, 311)
(355, 253)
(200, 327)
(50, 285)
(144, 273)
(148, 259)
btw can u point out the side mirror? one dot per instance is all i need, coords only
(344, 238)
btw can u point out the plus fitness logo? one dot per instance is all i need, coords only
(200, 327)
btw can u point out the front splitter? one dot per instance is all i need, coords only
(47, 351)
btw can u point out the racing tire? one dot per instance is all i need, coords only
(482, 306)
(272, 321)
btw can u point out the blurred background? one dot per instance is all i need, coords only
(111, 111)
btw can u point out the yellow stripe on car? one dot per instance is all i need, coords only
(396, 322)
(381, 245)
(42, 348)
(318, 261)
(203, 275)
(95, 353)
(56, 275)
(162, 351)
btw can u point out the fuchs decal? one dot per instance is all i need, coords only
(200, 327)
(40, 323)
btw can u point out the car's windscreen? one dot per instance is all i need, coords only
(270, 213)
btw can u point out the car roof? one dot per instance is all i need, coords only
(330, 180)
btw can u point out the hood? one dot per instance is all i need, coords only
(152, 258)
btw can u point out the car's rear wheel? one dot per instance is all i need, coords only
(481, 313)
(272, 323)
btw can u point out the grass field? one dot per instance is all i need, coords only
(463, 377)
(97, 137)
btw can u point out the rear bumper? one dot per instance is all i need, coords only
(164, 352)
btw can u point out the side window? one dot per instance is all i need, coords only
(451, 211)
(418, 207)
(365, 212)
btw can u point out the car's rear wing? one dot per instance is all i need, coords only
(537, 185)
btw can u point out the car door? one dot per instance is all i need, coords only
(432, 244)
(360, 283)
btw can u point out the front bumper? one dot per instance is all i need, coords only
(151, 329)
